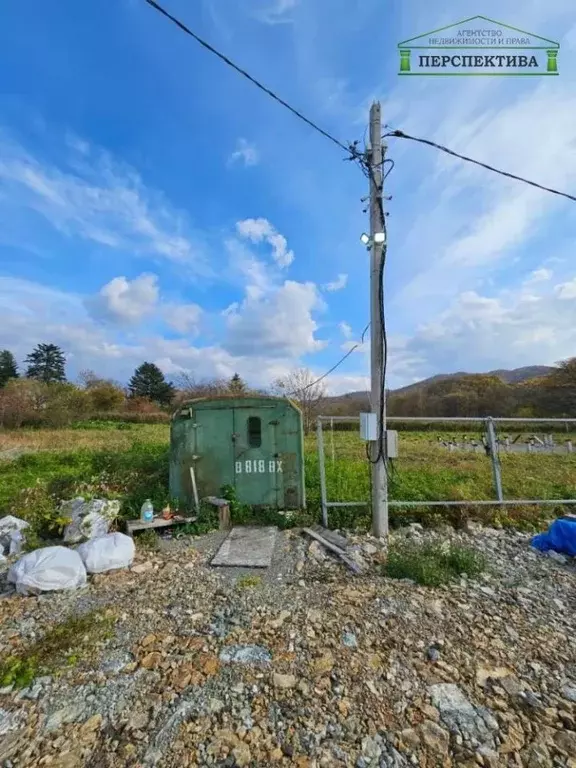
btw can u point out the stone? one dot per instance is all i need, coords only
(148, 640)
(151, 660)
(569, 692)
(93, 723)
(459, 715)
(558, 557)
(536, 756)
(323, 665)
(141, 568)
(433, 654)
(277, 623)
(138, 721)
(69, 714)
(566, 741)
(242, 754)
(513, 742)
(434, 737)
(284, 682)
(371, 749)
(349, 640)
(245, 654)
(410, 739)
(484, 674)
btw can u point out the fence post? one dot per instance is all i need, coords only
(496, 468)
(322, 470)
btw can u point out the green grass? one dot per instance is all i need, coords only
(64, 645)
(132, 465)
(248, 582)
(432, 564)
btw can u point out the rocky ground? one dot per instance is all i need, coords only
(310, 666)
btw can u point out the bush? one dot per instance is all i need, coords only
(105, 396)
(432, 564)
(27, 402)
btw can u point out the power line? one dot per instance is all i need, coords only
(339, 363)
(402, 135)
(253, 80)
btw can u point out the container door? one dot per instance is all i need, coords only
(212, 437)
(257, 467)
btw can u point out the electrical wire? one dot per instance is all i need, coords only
(402, 135)
(336, 365)
(349, 150)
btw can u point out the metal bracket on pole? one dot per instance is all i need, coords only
(495, 458)
(322, 471)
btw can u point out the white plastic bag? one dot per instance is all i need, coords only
(48, 569)
(8, 526)
(16, 542)
(90, 519)
(106, 553)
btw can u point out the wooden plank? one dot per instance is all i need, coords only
(354, 567)
(157, 522)
(331, 536)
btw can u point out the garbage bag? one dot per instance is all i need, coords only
(10, 525)
(560, 536)
(90, 519)
(106, 553)
(47, 569)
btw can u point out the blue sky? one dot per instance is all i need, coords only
(156, 206)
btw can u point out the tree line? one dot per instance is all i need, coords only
(42, 394)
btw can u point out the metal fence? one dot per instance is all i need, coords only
(491, 446)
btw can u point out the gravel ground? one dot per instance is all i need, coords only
(308, 666)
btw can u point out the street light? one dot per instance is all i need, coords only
(365, 238)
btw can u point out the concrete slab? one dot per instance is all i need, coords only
(248, 547)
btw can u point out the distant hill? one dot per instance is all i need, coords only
(513, 376)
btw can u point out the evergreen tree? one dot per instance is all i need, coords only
(46, 363)
(8, 367)
(148, 381)
(236, 385)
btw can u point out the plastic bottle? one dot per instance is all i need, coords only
(147, 512)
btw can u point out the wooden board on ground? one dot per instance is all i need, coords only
(354, 567)
(331, 536)
(248, 547)
(157, 522)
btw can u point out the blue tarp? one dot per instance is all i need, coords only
(560, 536)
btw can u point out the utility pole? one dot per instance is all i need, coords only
(378, 391)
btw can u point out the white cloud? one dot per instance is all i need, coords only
(345, 329)
(97, 199)
(566, 290)
(278, 324)
(539, 276)
(125, 301)
(337, 284)
(245, 153)
(184, 318)
(277, 11)
(259, 230)
(509, 330)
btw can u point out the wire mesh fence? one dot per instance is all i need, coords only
(513, 471)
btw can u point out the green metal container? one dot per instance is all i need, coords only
(254, 444)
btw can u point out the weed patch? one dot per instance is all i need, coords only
(432, 564)
(64, 645)
(248, 582)
(147, 540)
